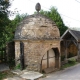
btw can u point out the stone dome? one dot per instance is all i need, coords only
(37, 26)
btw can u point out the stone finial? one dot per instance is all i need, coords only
(38, 7)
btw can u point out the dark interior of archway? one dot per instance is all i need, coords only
(56, 57)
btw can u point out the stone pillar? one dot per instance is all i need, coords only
(17, 52)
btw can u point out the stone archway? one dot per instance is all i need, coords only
(50, 60)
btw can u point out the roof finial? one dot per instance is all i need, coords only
(38, 7)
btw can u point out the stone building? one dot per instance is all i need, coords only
(41, 40)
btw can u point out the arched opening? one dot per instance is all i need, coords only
(50, 60)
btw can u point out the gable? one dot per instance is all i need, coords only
(71, 34)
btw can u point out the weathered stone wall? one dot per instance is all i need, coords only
(17, 52)
(34, 51)
(37, 27)
(39, 34)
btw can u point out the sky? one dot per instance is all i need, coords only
(68, 9)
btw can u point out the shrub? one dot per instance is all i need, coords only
(17, 66)
(71, 62)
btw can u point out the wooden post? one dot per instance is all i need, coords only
(79, 52)
(65, 44)
(22, 55)
(47, 59)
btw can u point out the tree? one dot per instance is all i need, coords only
(55, 16)
(10, 29)
(4, 20)
(4, 4)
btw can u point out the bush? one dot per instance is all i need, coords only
(71, 62)
(17, 66)
(6, 74)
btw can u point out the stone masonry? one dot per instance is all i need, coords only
(39, 34)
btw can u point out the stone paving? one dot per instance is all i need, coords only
(20, 75)
(31, 75)
(71, 73)
(25, 75)
(15, 78)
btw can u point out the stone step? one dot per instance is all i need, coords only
(49, 70)
(31, 75)
(14, 78)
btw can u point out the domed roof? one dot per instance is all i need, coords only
(37, 26)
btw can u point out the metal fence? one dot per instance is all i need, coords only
(3, 57)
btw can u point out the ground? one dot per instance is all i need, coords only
(71, 73)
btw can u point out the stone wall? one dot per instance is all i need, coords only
(17, 52)
(34, 51)
(39, 34)
(37, 27)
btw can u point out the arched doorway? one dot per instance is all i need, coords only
(50, 61)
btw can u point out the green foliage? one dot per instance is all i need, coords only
(8, 32)
(2, 75)
(12, 26)
(70, 63)
(7, 27)
(17, 20)
(5, 74)
(55, 16)
(4, 21)
(4, 4)
(17, 66)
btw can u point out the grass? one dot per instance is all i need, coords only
(5, 74)
(17, 66)
(70, 63)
